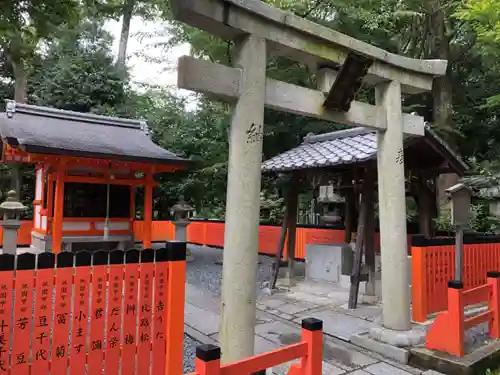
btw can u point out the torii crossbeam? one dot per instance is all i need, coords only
(260, 31)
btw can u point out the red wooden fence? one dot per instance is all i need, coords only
(211, 233)
(93, 313)
(433, 265)
(447, 333)
(309, 350)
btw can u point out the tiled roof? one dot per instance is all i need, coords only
(331, 149)
(336, 148)
(52, 131)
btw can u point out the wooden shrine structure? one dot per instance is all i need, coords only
(347, 159)
(87, 170)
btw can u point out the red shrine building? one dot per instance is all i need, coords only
(87, 170)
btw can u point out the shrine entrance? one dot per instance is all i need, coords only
(341, 64)
(88, 168)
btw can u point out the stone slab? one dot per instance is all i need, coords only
(201, 298)
(382, 368)
(314, 299)
(401, 366)
(432, 372)
(328, 369)
(198, 336)
(398, 354)
(487, 356)
(261, 345)
(345, 356)
(318, 289)
(281, 314)
(272, 303)
(359, 372)
(279, 332)
(341, 325)
(364, 311)
(296, 308)
(202, 320)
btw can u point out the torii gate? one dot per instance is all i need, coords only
(341, 63)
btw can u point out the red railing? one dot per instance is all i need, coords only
(433, 264)
(211, 233)
(447, 332)
(309, 350)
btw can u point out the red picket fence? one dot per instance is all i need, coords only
(309, 350)
(433, 265)
(93, 313)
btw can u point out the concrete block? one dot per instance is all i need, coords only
(398, 354)
(324, 261)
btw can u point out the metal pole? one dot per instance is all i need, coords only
(459, 252)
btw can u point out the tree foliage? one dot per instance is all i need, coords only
(71, 65)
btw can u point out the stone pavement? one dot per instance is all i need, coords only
(278, 324)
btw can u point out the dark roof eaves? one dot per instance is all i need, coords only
(448, 149)
(132, 158)
(13, 107)
(459, 165)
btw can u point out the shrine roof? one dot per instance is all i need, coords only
(44, 130)
(357, 145)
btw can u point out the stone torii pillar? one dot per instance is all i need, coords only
(239, 273)
(259, 31)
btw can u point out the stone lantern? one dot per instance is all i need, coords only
(265, 209)
(180, 211)
(11, 209)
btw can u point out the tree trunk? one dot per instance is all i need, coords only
(442, 110)
(128, 11)
(20, 94)
(20, 81)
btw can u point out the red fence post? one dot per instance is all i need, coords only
(419, 284)
(494, 304)
(312, 333)
(175, 306)
(207, 360)
(447, 332)
(456, 316)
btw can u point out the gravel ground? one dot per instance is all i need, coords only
(189, 353)
(204, 272)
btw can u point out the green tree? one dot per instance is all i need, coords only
(23, 25)
(484, 16)
(77, 73)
